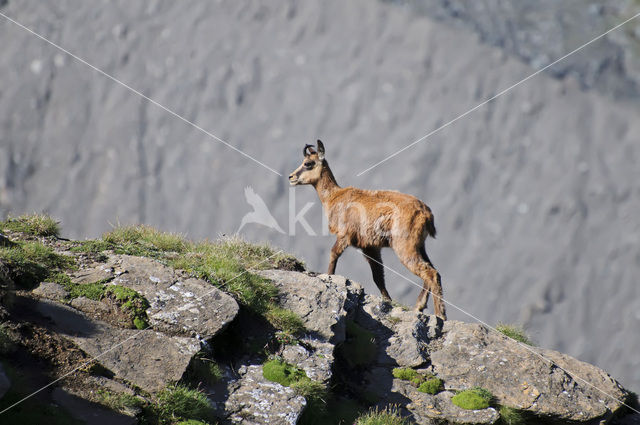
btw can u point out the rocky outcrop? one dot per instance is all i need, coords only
(468, 355)
(179, 304)
(146, 358)
(543, 382)
(187, 314)
(323, 302)
(255, 400)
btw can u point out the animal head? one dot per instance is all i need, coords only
(311, 168)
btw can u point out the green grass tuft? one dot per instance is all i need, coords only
(473, 399)
(431, 386)
(286, 320)
(359, 348)
(388, 416)
(225, 264)
(203, 370)
(511, 416)
(119, 402)
(177, 402)
(32, 224)
(514, 332)
(192, 422)
(145, 241)
(29, 263)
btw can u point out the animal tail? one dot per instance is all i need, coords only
(430, 225)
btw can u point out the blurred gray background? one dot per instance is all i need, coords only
(535, 195)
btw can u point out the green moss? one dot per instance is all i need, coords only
(178, 402)
(32, 224)
(405, 373)
(29, 263)
(511, 416)
(130, 302)
(431, 386)
(514, 332)
(314, 392)
(387, 416)
(426, 383)
(473, 399)
(281, 372)
(359, 348)
(140, 323)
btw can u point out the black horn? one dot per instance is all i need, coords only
(304, 150)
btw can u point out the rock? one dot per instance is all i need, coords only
(178, 304)
(147, 358)
(5, 383)
(471, 355)
(402, 335)
(50, 290)
(94, 308)
(254, 400)
(322, 301)
(433, 409)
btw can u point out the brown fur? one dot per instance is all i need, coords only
(371, 220)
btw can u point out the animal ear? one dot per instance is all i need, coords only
(308, 150)
(320, 150)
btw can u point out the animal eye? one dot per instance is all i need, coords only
(309, 164)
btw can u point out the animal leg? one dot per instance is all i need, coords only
(336, 251)
(375, 262)
(432, 283)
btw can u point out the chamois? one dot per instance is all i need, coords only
(371, 220)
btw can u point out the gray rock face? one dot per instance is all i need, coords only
(403, 334)
(179, 304)
(254, 400)
(50, 290)
(468, 355)
(522, 377)
(146, 358)
(323, 302)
